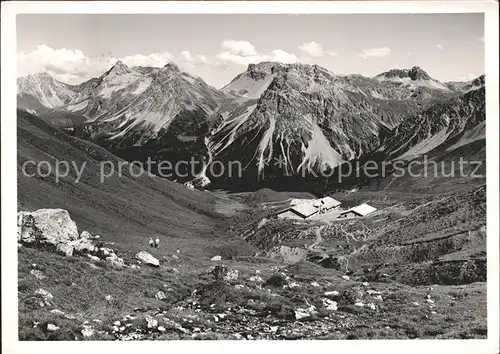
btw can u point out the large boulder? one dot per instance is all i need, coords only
(52, 228)
(147, 258)
(47, 227)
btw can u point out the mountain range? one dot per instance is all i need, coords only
(275, 119)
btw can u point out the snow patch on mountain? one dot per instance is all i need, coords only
(469, 136)
(48, 91)
(413, 84)
(77, 106)
(247, 87)
(319, 151)
(118, 83)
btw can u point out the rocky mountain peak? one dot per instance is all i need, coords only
(261, 70)
(170, 66)
(415, 73)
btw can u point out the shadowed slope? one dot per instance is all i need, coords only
(123, 209)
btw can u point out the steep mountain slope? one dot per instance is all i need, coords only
(41, 92)
(301, 117)
(158, 113)
(467, 86)
(461, 118)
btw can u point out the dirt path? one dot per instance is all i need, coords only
(319, 239)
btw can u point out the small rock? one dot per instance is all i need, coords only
(122, 328)
(315, 284)
(428, 296)
(274, 329)
(117, 323)
(45, 294)
(359, 304)
(387, 327)
(85, 234)
(255, 279)
(330, 305)
(87, 331)
(414, 303)
(115, 329)
(345, 277)
(430, 301)
(160, 295)
(52, 327)
(161, 329)
(434, 312)
(108, 297)
(366, 284)
(371, 306)
(147, 258)
(94, 258)
(293, 285)
(305, 312)
(96, 320)
(37, 274)
(216, 258)
(115, 261)
(378, 297)
(332, 293)
(152, 323)
(373, 292)
(57, 312)
(174, 256)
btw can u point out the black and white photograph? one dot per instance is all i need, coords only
(251, 174)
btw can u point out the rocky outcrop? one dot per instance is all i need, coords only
(50, 228)
(53, 229)
(46, 226)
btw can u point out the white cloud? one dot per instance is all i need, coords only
(332, 53)
(189, 58)
(73, 66)
(244, 53)
(314, 49)
(468, 77)
(153, 59)
(243, 48)
(282, 56)
(375, 52)
(439, 46)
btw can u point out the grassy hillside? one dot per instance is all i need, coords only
(126, 210)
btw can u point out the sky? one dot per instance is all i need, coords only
(74, 48)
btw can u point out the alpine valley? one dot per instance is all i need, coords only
(282, 252)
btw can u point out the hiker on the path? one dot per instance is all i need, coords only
(151, 242)
(157, 242)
